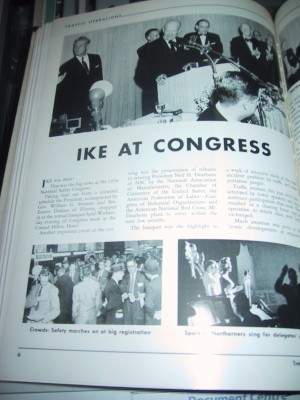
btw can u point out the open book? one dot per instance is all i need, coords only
(150, 233)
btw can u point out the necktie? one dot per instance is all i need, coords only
(131, 283)
(173, 46)
(84, 64)
(38, 304)
(203, 39)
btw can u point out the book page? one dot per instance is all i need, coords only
(287, 22)
(148, 223)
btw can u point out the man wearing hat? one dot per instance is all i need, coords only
(86, 299)
(153, 292)
(113, 305)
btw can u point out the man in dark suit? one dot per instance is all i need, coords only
(150, 35)
(64, 285)
(270, 62)
(152, 271)
(133, 294)
(164, 57)
(290, 64)
(248, 51)
(206, 40)
(76, 76)
(234, 99)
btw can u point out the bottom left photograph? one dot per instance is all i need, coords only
(111, 283)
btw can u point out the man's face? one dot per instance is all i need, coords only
(171, 30)
(131, 266)
(44, 279)
(249, 106)
(119, 275)
(60, 272)
(257, 35)
(153, 35)
(246, 31)
(101, 265)
(80, 48)
(202, 28)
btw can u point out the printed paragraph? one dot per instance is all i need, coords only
(70, 206)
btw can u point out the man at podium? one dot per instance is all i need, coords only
(165, 57)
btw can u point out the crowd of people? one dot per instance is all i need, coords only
(122, 289)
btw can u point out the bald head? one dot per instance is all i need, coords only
(171, 29)
(245, 30)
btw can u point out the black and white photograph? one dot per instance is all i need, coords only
(185, 68)
(238, 283)
(112, 283)
(290, 48)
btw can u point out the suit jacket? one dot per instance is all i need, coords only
(133, 312)
(142, 51)
(72, 93)
(153, 300)
(64, 285)
(271, 66)
(139, 284)
(211, 114)
(158, 59)
(211, 38)
(43, 303)
(86, 301)
(240, 51)
(114, 307)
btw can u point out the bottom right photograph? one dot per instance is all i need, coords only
(238, 283)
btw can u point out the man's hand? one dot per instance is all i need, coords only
(61, 78)
(161, 79)
(131, 298)
(124, 296)
(284, 270)
(256, 53)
